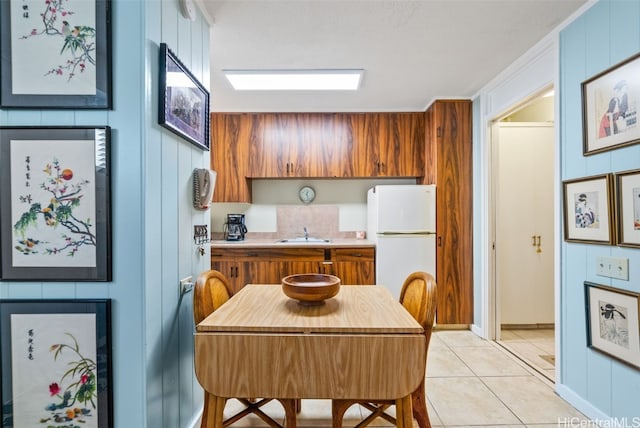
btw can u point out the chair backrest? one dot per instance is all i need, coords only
(209, 293)
(418, 296)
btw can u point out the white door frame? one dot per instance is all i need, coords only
(525, 79)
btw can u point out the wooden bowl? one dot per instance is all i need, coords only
(310, 288)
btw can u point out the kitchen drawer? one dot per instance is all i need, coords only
(267, 254)
(352, 254)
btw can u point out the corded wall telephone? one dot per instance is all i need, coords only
(204, 181)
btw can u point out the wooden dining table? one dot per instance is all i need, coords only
(361, 344)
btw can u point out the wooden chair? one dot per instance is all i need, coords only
(418, 296)
(209, 293)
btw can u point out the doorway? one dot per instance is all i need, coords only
(523, 147)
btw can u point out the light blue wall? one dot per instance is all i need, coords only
(604, 35)
(152, 219)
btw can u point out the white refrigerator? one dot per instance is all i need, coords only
(401, 220)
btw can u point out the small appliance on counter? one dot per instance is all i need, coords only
(234, 228)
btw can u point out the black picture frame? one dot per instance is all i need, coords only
(183, 101)
(40, 341)
(609, 107)
(55, 215)
(613, 322)
(66, 59)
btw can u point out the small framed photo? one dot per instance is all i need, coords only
(55, 217)
(184, 102)
(610, 103)
(56, 363)
(613, 326)
(588, 210)
(628, 208)
(55, 54)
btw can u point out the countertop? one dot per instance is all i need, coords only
(273, 243)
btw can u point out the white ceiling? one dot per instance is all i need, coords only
(412, 51)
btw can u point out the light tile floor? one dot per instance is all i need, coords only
(535, 346)
(470, 382)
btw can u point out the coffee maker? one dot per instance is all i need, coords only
(234, 228)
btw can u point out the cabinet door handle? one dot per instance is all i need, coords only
(356, 255)
(439, 241)
(252, 254)
(327, 263)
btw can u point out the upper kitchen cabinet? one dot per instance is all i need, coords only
(301, 145)
(448, 153)
(388, 144)
(231, 137)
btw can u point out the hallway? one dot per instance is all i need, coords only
(470, 382)
(534, 346)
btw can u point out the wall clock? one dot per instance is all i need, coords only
(307, 194)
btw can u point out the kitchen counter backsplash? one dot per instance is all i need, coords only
(321, 221)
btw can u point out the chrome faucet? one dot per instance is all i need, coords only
(306, 234)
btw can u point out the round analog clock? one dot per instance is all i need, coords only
(307, 194)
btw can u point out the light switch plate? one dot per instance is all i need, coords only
(613, 267)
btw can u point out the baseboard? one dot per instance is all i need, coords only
(527, 326)
(451, 327)
(583, 406)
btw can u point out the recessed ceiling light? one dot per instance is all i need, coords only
(294, 80)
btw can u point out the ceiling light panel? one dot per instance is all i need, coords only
(294, 80)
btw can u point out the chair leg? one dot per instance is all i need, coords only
(419, 404)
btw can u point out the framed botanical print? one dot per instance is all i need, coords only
(628, 208)
(610, 107)
(55, 217)
(588, 210)
(55, 363)
(55, 54)
(613, 324)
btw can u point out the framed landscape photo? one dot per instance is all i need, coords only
(610, 107)
(588, 210)
(613, 326)
(55, 219)
(184, 102)
(628, 208)
(55, 54)
(55, 363)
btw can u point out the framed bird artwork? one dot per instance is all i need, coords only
(54, 204)
(55, 54)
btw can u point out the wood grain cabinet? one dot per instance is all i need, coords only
(300, 145)
(449, 165)
(388, 144)
(231, 139)
(354, 266)
(269, 265)
(312, 145)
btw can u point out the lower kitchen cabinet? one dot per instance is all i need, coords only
(354, 266)
(269, 265)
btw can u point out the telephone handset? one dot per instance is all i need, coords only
(204, 181)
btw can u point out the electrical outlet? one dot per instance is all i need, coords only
(186, 285)
(613, 267)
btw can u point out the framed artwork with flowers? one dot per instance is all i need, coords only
(55, 54)
(55, 363)
(55, 217)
